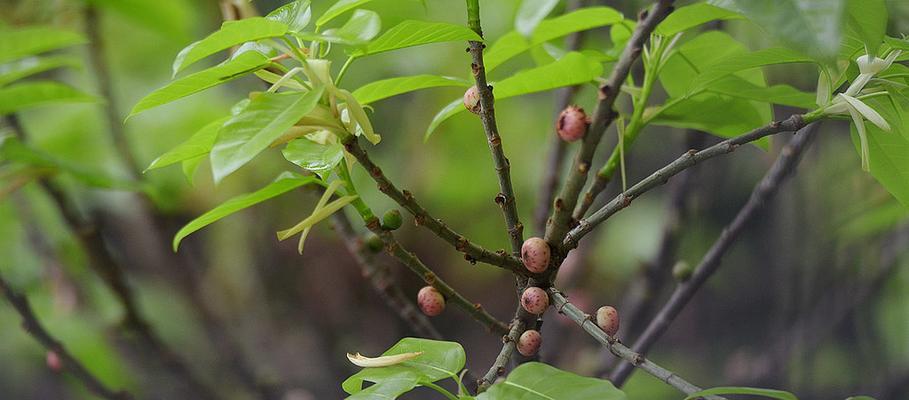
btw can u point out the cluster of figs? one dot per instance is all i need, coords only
(535, 254)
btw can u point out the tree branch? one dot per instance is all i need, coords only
(382, 280)
(564, 307)
(34, 328)
(760, 196)
(564, 205)
(472, 251)
(687, 160)
(509, 342)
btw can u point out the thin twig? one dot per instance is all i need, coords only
(472, 251)
(557, 147)
(564, 307)
(412, 262)
(509, 342)
(34, 328)
(687, 160)
(564, 205)
(382, 280)
(760, 196)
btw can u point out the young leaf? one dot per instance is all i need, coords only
(317, 216)
(386, 88)
(530, 13)
(415, 33)
(450, 110)
(318, 158)
(25, 95)
(247, 62)
(296, 15)
(198, 145)
(232, 33)
(771, 393)
(690, 16)
(535, 380)
(282, 184)
(362, 26)
(811, 27)
(247, 134)
(340, 7)
(866, 20)
(29, 41)
(439, 360)
(13, 71)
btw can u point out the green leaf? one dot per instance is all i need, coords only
(888, 151)
(390, 388)
(340, 7)
(247, 62)
(282, 184)
(866, 20)
(873, 221)
(723, 116)
(811, 27)
(734, 86)
(315, 157)
(513, 43)
(11, 149)
(232, 33)
(25, 95)
(690, 16)
(770, 393)
(29, 41)
(386, 88)
(573, 69)
(439, 360)
(530, 13)
(170, 17)
(536, 380)
(296, 15)
(415, 33)
(198, 145)
(362, 26)
(25, 67)
(741, 62)
(263, 121)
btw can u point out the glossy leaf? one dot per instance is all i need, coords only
(866, 20)
(282, 184)
(415, 33)
(770, 393)
(315, 157)
(232, 33)
(263, 121)
(340, 7)
(439, 360)
(29, 41)
(536, 380)
(362, 26)
(25, 67)
(690, 16)
(198, 145)
(811, 27)
(296, 15)
(888, 151)
(30, 94)
(530, 13)
(244, 64)
(386, 88)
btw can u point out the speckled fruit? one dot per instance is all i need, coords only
(535, 300)
(54, 362)
(472, 99)
(430, 301)
(529, 343)
(608, 320)
(535, 253)
(572, 123)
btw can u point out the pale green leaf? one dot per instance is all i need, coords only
(742, 62)
(386, 88)
(30, 94)
(296, 15)
(244, 64)
(317, 216)
(769, 393)
(15, 70)
(315, 157)
(362, 26)
(340, 7)
(538, 381)
(866, 21)
(450, 110)
(283, 184)
(11, 149)
(263, 121)
(173, 18)
(530, 13)
(232, 33)
(692, 15)
(32, 40)
(415, 33)
(439, 360)
(888, 152)
(197, 146)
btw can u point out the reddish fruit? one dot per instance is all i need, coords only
(54, 362)
(529, 343)
(608, 320)
(430, 301)
(472, 99)
(535, 300)
(535, 253)
(572, 123)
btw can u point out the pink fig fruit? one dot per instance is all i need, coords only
(430, 301)
(535, 300)
(572, 123)
(608, 320)
(529, 342)
(472, 99)
(535, 254)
